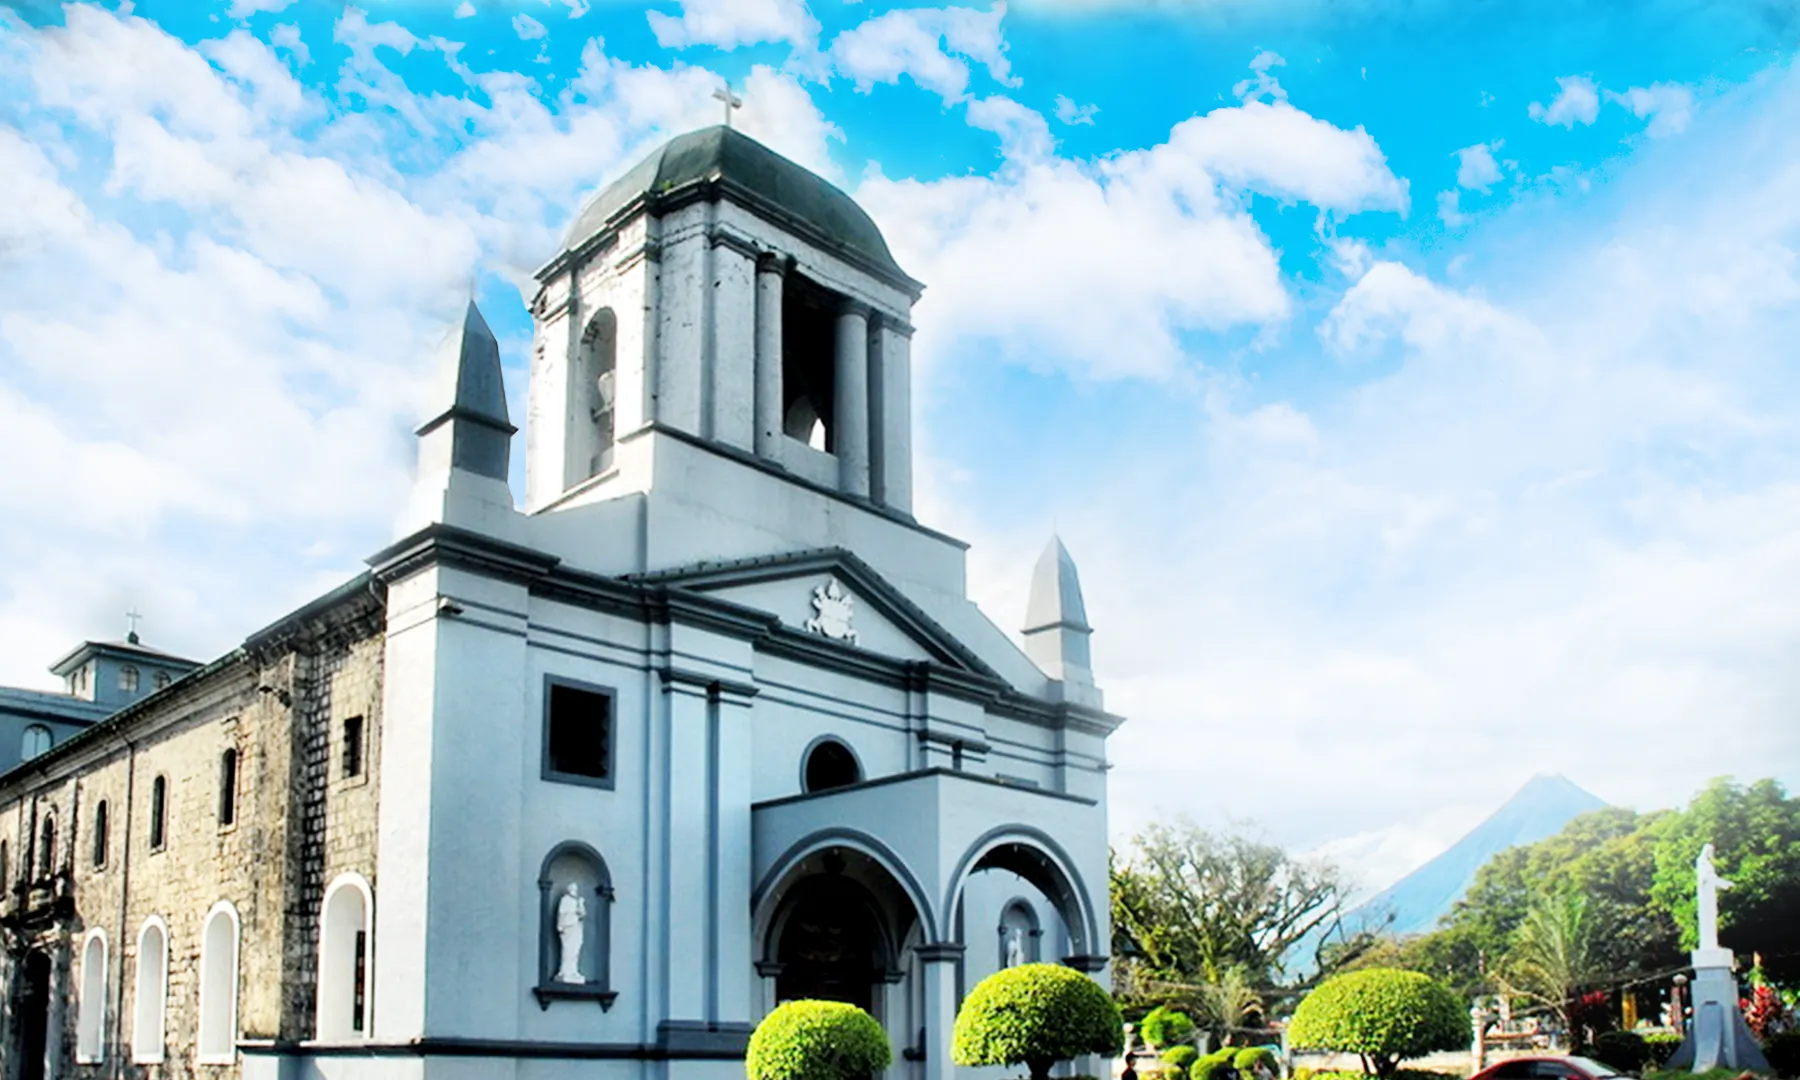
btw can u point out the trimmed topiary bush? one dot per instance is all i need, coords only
(1214, 1066)
(1180, 1057)
(1382, 1015)
(1625, 1051)
(817, 1040)
(1661, 1046)
(1035, 1015)
(1164, 1027)
(1253, 1059)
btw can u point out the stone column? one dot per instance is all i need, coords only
(770, 271)
(939, 963)
(850, 410)
(890, 405)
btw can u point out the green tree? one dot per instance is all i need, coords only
(1036, 1015)
(817, 1040)
(1554, 953)
(1382, 1015)
(1756, 833)
(1191, 905)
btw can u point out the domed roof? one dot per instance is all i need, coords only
(769, 184)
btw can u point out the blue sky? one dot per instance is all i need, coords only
(1414, 383)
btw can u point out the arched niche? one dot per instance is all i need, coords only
(593, 398)
(1021, 933)
(150, 992)
(1034, 856)
(90, 1017)
(216, 1040)
(346, 937)
(575, 894)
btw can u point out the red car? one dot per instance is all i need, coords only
(1547, 1067)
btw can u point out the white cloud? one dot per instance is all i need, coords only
(927, 45)
(1667, 105)
(465, 10)
(1476, 168)
(1024, 133)
(287, 36)
(528, 28)
(1262, 85)
(728, 24)
(243, 9)
(1070, 113)
(1577, 102)
(577, 8)
(1101, 267)
(1449, 208)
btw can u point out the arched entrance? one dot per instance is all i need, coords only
(831, 945)
(33, 1015)
(1036, 858)
(836, 919)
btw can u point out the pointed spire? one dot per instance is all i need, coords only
(470, 396)
(1056, 627)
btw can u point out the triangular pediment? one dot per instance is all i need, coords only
(832, 595)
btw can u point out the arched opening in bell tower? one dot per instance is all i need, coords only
(808, 362)
(591, 398)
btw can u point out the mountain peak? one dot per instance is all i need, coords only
(1539, 809)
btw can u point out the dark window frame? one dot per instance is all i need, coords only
(159, 813)
(806, 763)
(352, 750)
(230, 766)
(554, 775)
(102, 829)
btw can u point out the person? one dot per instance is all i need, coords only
(1130, 1072)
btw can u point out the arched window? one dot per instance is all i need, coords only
(217, 1042)
(149, 997)
(593, 437)
(575, 955)
(36, 741)
(128, 679)
(829, 764)
(228, 781)
(159, 807)
(100, 828)
(161, 679)
(809, 362)
(46, 853)
(90, 1021)
(345, 925)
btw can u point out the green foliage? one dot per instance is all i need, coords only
(1163, 1026)
(1212, 1065)
(1192, 905)
(1252, 1058)
(1036, 1015)
(1661, 1046)
(1554, 953)
(1181, 1057)
(1783, 1052)
(1756, 833)
(817, 1040)
(1625, 1051)
(1383, 1014)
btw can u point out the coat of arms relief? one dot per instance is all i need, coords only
(833, 609)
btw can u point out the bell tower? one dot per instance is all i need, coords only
(724, 297)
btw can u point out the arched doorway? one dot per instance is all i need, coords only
(831, 945)
(34, 1015)
(1037, 859)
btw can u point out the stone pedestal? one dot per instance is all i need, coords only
(1719, 1038)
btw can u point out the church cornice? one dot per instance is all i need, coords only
(921, 774)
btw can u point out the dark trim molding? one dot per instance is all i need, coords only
(917, 774)
(444, 1046)
(697, 1038)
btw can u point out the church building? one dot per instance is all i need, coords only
(584, 787)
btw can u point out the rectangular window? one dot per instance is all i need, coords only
(359, 989)
(100, 824)
(159, 798)
(578, 733)
(353, 746)
(228, 778)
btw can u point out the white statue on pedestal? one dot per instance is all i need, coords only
(571, 918)
(1707, 884)
(1015, 947)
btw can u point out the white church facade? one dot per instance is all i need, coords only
(585, 787)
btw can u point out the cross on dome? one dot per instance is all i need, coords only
(731, 100)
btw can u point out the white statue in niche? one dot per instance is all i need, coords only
(1707, 884)
(835, 608)
(571, 920)
(1015, 947)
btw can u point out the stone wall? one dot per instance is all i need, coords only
(280, 702)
